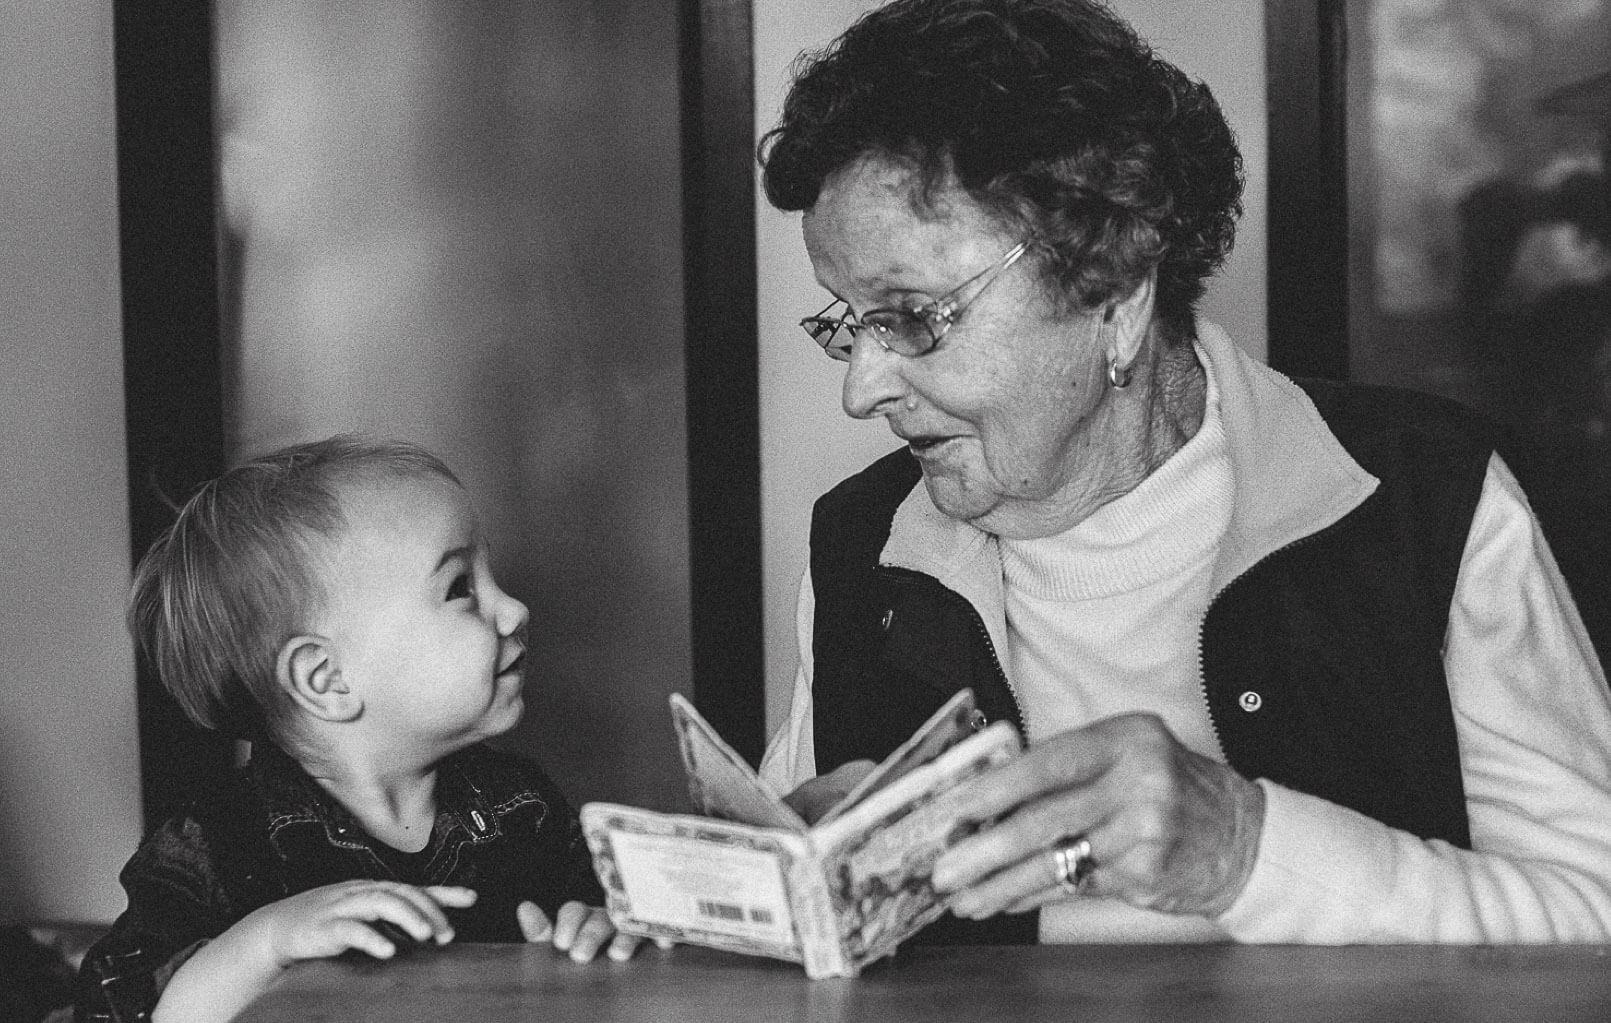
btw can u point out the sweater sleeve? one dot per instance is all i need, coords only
(791, 755)
(1533, 719)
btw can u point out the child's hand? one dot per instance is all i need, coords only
(579, 929)
(238, 965)
(330, 920)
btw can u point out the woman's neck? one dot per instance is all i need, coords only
(1177, 396)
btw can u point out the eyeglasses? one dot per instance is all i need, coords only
(909, 332)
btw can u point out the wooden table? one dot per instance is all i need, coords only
(1085, 984)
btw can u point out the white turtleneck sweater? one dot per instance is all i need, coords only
(1102, 620)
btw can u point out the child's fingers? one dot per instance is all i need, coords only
(596, 929)
(415, 911)
(409, 908)
(623, 946)
(451, 895)
(342, 934)
(568, 924)
(534, 923)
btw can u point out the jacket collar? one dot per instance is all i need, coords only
(1291, 475)
(470, 792)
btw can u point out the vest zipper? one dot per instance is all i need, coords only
(984, 634)
(1202, 626)
(1001, 673)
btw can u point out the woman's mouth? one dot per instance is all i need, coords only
(514, 665)
(924, 445)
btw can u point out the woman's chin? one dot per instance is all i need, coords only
(956, 496)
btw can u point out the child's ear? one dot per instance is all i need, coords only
(307, 671)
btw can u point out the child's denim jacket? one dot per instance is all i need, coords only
(270, 831)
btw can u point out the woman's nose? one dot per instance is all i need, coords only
(873, 381)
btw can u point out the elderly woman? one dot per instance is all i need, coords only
(1292, 660)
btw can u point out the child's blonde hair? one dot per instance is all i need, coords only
(235, 576)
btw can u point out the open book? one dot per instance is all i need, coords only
(753, 877)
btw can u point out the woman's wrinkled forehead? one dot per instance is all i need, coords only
(874, 219)
(924, 194)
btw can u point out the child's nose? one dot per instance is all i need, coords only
(512, 615)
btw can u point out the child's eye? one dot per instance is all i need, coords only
(461, 587)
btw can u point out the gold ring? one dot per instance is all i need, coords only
(1071, 864)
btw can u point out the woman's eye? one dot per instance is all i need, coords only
(881, 324)
(461, 587)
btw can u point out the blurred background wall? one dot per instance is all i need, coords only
(1481, 212)
(461, 224)
(69, 788)
(807, 443)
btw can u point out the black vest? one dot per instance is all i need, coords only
(1334, 642)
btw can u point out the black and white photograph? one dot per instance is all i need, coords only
(411, 409)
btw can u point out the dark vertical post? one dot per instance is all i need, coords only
(724, 441)
(171, 357)
(1306, 44)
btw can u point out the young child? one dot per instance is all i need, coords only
(333, 603)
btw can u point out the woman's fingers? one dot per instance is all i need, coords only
(1018, 882)
(1041, 798)
(1168, 829)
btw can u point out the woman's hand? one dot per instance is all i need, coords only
(818, 795)
(577, 928)
(1168, 829)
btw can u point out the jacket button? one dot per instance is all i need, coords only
(1250, 701)
(889, 616)
(977, 720)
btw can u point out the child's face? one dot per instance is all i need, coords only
(418, 626)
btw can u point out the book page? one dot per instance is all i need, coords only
(878, 857)
(720, 782)
(696, 880)
(948, 726)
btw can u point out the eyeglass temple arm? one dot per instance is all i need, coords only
(946, 309)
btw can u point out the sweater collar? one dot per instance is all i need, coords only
(1292, 475)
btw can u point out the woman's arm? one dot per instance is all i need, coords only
(1533, 717)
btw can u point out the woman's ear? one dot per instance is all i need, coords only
(1127, 320)
(307, 670)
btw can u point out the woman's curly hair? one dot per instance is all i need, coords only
(1051, 114)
